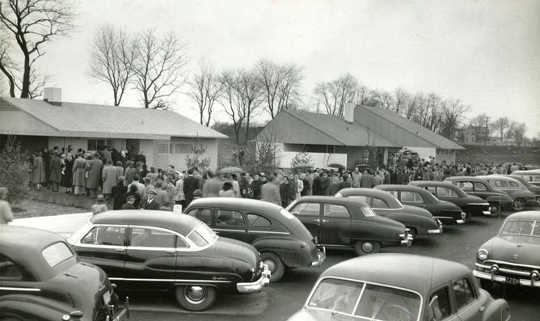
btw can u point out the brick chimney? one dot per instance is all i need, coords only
(53, 95)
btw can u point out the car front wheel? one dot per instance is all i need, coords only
(195, 297)
(518, 204)
(366, 247)
(274, 264)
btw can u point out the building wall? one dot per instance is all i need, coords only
(81, 142)
(162, 153)
(447, 155)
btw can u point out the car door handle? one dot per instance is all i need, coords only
(324, 220)
(317, 220)
(482, 308)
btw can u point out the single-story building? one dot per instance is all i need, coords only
(364, 136)
(164, 137)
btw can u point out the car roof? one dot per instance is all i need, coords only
(530, 171)
(527, 215)
(408, 271)
(235, 202)
(433, 183)
(466, 178)
(497, 176)
(332, 199)
(370, 192)
(399, 187)
(180, 223)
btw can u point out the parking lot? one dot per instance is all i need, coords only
(282, 299)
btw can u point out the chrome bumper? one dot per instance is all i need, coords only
(531, 278)
(255, 286)
(437, 230)
(406, 238)
(487, 213)
(321, 256)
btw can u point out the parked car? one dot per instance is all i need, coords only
(477, 186)
(470, 204)
(402, 287)
(162, 250)
(283, 241)
(42, 278)
(511, 257)
(446, 212)
(348, 223)
(419, 221)
(520, 195)
(532, 176)
(531, 187)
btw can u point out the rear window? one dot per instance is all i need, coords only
(56, 253)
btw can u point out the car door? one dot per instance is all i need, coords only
(261, 227)
(105, 246)
(230, 223)
(14, 279)
(439, 307)
(467, 305)
(480, 189)
(335, 225)
(446, 194)
(412, 198)
(309, 213)
(151, 253)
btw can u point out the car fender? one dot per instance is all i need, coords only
(495, 310)
(33, 306)
(420, 223)
(291, 251)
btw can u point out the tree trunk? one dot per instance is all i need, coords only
(25, 91)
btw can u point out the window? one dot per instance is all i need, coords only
(258, 221)
(514, 185)
(518, 227)
(446, 192)
(378, 203)
(332, 210)
(179, 148)
(148, 237)
(228, 218)
(499, 184)
(163, 148)
(362, 198)
(383, 303)
(480, 187)
(202, 235)
(466, 186)
(440, 303)
(431, 189)
(463, 292)
(9, 271)
(105, 235)
(368, 211)
(203, 214)
(536, 231)
(56, 253)
(307, 209)
(95, 144)
(336, 295)
(411, 197)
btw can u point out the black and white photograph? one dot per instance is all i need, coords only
(269, 160)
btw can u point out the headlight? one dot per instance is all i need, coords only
(482, 254)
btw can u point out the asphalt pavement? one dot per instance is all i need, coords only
(282, 299)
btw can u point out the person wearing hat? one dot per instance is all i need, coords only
(130, 203)
(258, 181)
(151, 203)
(100, 205)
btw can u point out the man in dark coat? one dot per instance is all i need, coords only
(258, 182)
(55, 171)
(191, 183)
(119, 194)
(324, 184)
(151, 202)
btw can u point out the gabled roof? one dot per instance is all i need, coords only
(88, 120)
(412, 127)
(302, 127)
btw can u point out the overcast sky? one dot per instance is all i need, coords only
(486, 53)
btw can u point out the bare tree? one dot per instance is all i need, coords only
(7, 66)
(336, 94)
(452, 116)
(31, 24)
(205, 89)
(157, 68)
(280, 85)
(481, 120)
(516, 131)
(500, 125)
(112, 58)
(229, 101)
(250, 94)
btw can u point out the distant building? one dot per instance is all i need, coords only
(163, 137)
(365, 136)
(474, 135)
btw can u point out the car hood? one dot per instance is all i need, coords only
(240, 251)
(65, 224)
(418, 211)
(514, 249)
(319, 315)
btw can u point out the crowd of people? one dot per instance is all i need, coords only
(117, 180)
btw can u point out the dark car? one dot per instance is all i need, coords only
(519, 193)
(283, 241)
(470, 204)
(400, 287)
(41, 278)
(512, 256)
(418, 220)
(348, 223)
(144, 249)
(446, 212)
(531, 187)
(477, 186)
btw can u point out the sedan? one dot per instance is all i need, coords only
(478, 186)
(447, 212)
(348, 223)
(532, 176)
(535, 189)
(400, 287)
(520, 195)
(283, 241)
(162, 250)
(472, 205)
(511, 257)
(419, 221)
(41, 278)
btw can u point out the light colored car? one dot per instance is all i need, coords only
(404, 287)
(519, 193)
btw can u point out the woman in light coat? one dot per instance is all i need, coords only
(110, 179)
(79, 179)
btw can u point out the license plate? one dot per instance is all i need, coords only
(107, 297)
(512, 281)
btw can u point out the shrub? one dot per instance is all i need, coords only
(14, 171)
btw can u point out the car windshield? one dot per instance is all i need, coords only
(368, 211)
(202, 235)
(56, 253)
(521, 228)
(365, 301)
